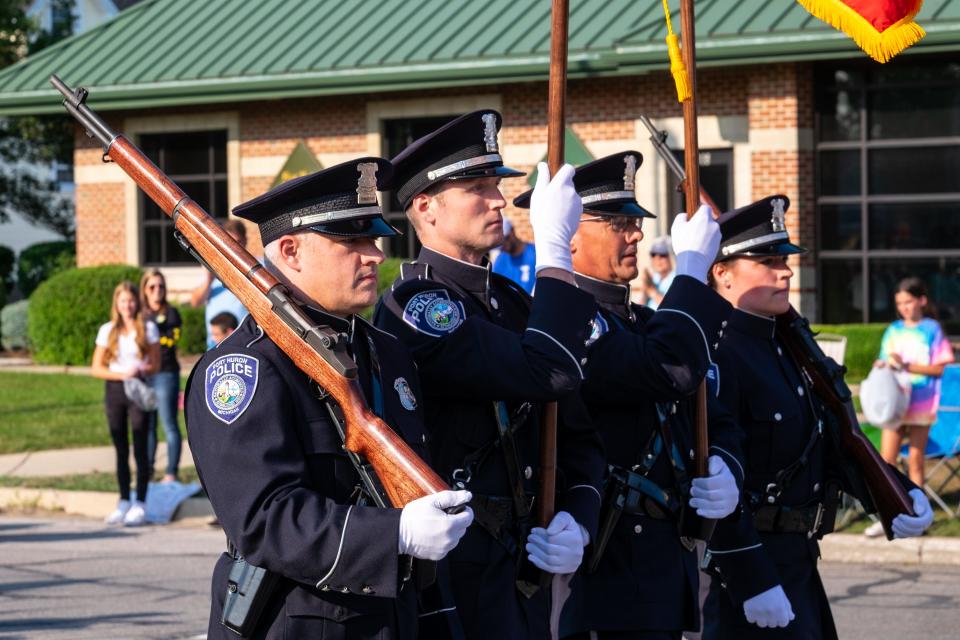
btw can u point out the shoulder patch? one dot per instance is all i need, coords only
(713, 379)
(407, 399)
(434, 313)
(229, 384)
(598, 327)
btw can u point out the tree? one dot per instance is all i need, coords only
(29, 145)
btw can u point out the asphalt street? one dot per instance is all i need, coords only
(71, 578)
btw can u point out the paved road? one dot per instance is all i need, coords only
(66, 578)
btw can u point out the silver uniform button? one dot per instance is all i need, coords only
(723, 324)
(494, 303)
(816, 487)
(777, 417)
(779, 351)
(800, 390)
(583, 361)
(345, 590)
(325, 587)
(638, 528)
(528, 472)
(367, 589)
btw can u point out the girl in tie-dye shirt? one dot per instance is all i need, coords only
(916, 346)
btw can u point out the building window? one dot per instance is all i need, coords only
(716, 178)
(197, 162)
(888, 152)
(397, 135)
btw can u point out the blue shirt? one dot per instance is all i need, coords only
(221, 299)
(520, 268)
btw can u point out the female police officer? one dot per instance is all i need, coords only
(764, 557)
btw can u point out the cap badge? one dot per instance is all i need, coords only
(490, 132)
(629, 172)
(367, 184)
(776, 220)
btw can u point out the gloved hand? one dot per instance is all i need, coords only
(905, 526)
(559, 547)
(427, 531)
(555, 210)
(695, 242)
(769, 609)
(715, 496)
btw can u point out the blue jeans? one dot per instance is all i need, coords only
(167, 386)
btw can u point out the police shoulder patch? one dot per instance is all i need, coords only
(598, 327)
(434, 313)
(713, 379)
(229, 384)
(407, 399)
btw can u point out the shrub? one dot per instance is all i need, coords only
(387, 273)
(7, 260)
(863, 346)
(67, 309)
(40, 261)
(193, 335)
(13, 326)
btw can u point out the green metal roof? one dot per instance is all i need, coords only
(177, 52)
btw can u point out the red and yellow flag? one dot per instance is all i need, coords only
(882, 28)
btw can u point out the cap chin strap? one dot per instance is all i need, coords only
(770, 238)
(334, 216)
(608, 195)
(463, 164)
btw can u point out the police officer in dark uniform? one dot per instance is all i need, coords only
(489, 357)
(643, 366)
(270, 456)
(764, 557)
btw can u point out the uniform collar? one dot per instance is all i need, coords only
(606, 293)
(752, 324)
(337, 323)
(472, 277)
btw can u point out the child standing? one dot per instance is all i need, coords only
(916, 346)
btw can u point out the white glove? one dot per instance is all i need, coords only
(715, 496)
(427, 531)
(905, 526)
(695, 242)
(559, 547)
(769, 609)
(555, 210)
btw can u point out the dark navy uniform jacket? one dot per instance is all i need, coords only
(476, 340)
(638, 358)
(273, 466)
(760, 384)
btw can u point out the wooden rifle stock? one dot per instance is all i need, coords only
(887, 493)
(317, 351)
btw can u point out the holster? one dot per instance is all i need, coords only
(815, 520)
(248, 590)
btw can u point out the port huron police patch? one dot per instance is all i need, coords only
(229, 384)
(434, 313)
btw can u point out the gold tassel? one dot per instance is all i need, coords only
(677, 68)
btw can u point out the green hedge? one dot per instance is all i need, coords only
(193, 335)
(41, 261)
(67, 309)
(386, 274)
(13, 326)
(863, 346)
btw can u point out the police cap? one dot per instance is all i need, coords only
(338, 201)
(465, 147)
(757, 229)
(606, 186)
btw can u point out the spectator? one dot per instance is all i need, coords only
(214, 294)
(654, 285)
(516, 259)
(222, 325)
(127, 347)
(916, 346)
(166, 382)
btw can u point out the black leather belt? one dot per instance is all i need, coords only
(815, 521)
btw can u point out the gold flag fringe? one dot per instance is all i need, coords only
(881, 46)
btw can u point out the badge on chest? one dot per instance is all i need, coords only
(407, 399)
(229, 384)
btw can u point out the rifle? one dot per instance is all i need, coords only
(317, 350)
(659, 140)
(875, 479)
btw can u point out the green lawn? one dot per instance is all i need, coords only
(98, 481)
(41, 411)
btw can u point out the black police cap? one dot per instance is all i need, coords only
(465, 147)
(757, 229)
(339, 201)
(606, 186)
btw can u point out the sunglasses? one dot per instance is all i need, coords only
(620, 224)
(659, 255)
(154, 287)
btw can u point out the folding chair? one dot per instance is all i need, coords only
(833, 345)
(944, 442)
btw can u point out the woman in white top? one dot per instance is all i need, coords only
(127, 347)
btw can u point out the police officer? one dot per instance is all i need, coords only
(643, 366)
(764, 557)
(490, 356)
(267, 450)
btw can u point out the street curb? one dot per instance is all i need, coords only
(857, 548)
(91, 504)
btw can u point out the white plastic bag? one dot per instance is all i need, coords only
(883, 398)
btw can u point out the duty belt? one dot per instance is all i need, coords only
(642, 496)
(816, 520)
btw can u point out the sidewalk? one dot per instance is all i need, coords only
(62, 462)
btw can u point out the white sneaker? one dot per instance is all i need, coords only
(136, 516)
(117, 516)
(875, 530)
